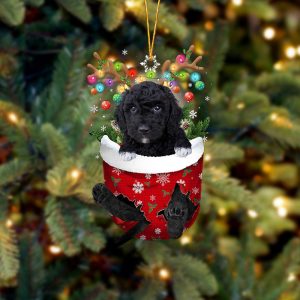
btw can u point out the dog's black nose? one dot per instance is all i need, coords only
(143, 129)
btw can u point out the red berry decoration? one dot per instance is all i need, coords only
(105, 105)
(188, 96)
(94, 91)
(176, 89)
(180, 58)
(132, 72)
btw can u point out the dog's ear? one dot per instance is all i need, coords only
(120, 115)
(175, 115)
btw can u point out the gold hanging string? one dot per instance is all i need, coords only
(151, 43)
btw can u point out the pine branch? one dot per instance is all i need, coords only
(12, 12)
(9, 262)
(31, 275)
(148, 290)
(12, 171)
(77, 8)
(62, 226)
(182, 287)
(57, 147)
(213, 62)
(195, 272)
(94, 292)
(112, 14)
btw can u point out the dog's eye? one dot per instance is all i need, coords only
(157, 108)
(133, 109)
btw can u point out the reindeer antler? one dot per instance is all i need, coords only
(185, 65)
(108, 67)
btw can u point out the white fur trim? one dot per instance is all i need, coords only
(109, 151)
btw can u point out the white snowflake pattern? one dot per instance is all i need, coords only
(200, 176)
(207, 98)
(204, 139)
(94, 109)
(193, 114)
(103, 128)
(148, 176)
(195, 190)
(116, 193)
(155, 64)
(152, 198)
(143, 237)
(97, 156)
(138, 187)
(181, 181)
(117, 171)
(140, 202)
(124, 52)
(157, 230)
(163, 178)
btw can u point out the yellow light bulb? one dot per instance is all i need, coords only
(292, 277)
(273, 116)
(298, 50)
(120, 88)
(75, 173)
(207, 157)
(185, 239)
(54, 249)
(164, 274)
(9, 223)
(130, 3)
(269, 33)
(252, 214)
(259, 232)
(237, 2)
(222, 211)
(290, 52)
(12, 117)
(278, 66)
(241, 105)
(282, 212)
(278, 201)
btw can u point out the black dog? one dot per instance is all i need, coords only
(149, 117)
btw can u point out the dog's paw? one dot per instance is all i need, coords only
(182, 152)
(127, 155)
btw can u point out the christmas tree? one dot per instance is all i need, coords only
(53, 237)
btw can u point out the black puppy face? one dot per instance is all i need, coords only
(145, 111)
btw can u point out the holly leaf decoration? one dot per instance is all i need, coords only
(151, 207)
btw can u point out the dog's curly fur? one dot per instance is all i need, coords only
(149, 117)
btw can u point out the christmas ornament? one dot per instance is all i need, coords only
(195, 76)
(117, 98)
(176, 89)
(132, 72)
(147, 61)
(150, 74)
(173, 83)
(167, 75)
(180, 58)
(105, 105)
(100, 87)
(94, 91)
(108, 82)
(118, 66)
(189, 96)
(149, 182)
(91, 79)
(182, 75)
(199, 85)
